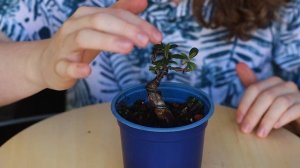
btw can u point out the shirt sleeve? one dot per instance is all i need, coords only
(287, 46)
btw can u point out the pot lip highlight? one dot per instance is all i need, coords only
(155, 129)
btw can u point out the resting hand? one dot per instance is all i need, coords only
(267, 104)
(87, 32)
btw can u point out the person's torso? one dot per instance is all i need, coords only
(113, 72)
(216, 60)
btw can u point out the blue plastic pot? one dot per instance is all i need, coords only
(147, 147)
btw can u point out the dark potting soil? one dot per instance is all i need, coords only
(143, 114)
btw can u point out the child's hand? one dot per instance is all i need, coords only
(90, 30)
(267, 104)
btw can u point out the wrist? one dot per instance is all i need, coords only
(35, 65)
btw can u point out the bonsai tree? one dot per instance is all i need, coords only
(164, 61)
(156, 112)
(145, 114)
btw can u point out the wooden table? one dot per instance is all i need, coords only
(89, 138)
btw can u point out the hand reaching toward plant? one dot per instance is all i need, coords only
(267, 104)
(89, 31)
(57, 63)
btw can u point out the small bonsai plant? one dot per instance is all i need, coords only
(163, 124)
(165, 114)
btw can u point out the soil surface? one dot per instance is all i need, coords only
(143, 114)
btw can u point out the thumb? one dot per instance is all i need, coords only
(246, 75)
(134, 6)
(72, 70)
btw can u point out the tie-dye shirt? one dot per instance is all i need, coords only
(274, 50)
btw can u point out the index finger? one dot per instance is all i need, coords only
(152, 32)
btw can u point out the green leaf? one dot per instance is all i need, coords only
(173, 62)
(193, 52)
(165, 61)
(173, 46)
(185, 56)
(152, 68)
(184, 62)
(159, 46)
(166, 50)
(191, 66)
(178, 56)
(157, 62)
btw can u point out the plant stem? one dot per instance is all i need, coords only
(154, 97)
(161, 68)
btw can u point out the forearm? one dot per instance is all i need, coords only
(19, 70)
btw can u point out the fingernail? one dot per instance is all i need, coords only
(261, 133)
(246, 128)
(239, 118)
(82, 70)
(142, 38)
(157, 36)
(124, 44)
(277, 125)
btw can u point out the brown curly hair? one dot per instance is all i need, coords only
(239, 17)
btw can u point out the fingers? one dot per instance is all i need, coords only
(252, 93)
(246, 75)
(118, 22)
(72, 70)
(293, 113)
(85, 11)
(268, 106)
(261, 104)
(277, 109)
(94, 40)
(152, 32)
(91, 30)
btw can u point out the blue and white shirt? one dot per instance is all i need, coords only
(274, 50)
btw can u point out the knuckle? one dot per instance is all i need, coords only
(254, 89)
(79, 38)
(124, 49)
(64, 30)
(268, 94)
(132, 30)
(146, 25)
(96, 18)
(291, 85)
(284, 100)
(100, 21)
(120, 12)
(81, 9)
(275, 79)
